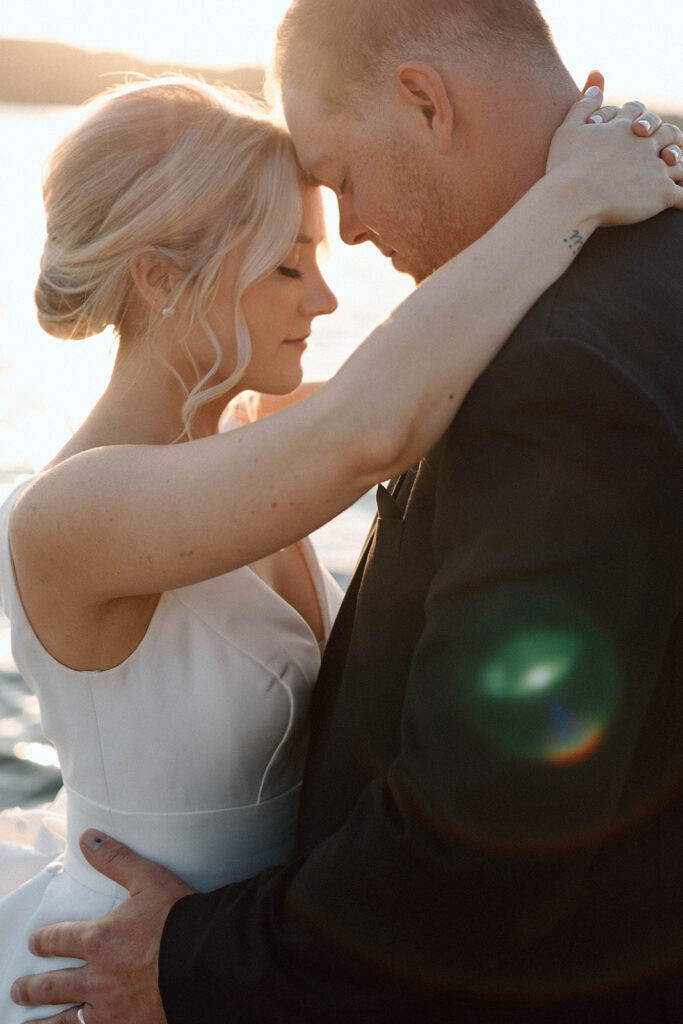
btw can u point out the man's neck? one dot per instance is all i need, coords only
(531, 107)
(506, 123)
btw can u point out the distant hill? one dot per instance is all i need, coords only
(44, 72)
(32, 71)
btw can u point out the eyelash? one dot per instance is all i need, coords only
(342, 187)
(289, 271)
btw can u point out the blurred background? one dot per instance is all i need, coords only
(54, 56)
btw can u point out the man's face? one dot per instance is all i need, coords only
(386, 186)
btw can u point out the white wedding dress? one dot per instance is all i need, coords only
(191, 752)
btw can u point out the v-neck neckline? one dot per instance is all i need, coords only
(307, 553)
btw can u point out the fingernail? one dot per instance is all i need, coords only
(92, 840)
(31, 946)
(14, 993)
(596, 118)
(593, 91)
(646, 124)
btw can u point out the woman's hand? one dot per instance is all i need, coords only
(625, 162)
(647, 123)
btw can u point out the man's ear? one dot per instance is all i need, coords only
(421, 86)
(154, 276)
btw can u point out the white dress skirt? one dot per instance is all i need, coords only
(191, 752)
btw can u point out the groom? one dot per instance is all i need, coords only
(492, 816)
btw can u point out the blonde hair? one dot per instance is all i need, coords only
(185, 168)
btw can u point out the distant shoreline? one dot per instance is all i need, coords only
(32, 71)
(45, 72)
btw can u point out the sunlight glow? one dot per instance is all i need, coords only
(640, 56)
(38, 753)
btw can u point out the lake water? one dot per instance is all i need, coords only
(47, 387)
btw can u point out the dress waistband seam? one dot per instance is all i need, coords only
(180, 814)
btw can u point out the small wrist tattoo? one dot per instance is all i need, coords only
(575, 242)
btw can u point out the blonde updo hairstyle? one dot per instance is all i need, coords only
(188, 169)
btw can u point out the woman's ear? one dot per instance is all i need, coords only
(420, 86)
(155, 277)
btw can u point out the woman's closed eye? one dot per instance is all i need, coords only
(288, 271)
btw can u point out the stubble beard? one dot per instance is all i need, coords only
(437, 224)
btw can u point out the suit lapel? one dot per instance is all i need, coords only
(368, 647)
(391, 503)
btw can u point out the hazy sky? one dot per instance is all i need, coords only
(637, 46)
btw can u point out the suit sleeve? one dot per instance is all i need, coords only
(536, 733)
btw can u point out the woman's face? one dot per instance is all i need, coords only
(279, 309)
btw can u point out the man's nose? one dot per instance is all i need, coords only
(351, 228)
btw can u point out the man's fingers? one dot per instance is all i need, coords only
(51, 988)
(67, 939)
(119, 863)
(65, 1017)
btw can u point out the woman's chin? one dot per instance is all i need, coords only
(283, 386)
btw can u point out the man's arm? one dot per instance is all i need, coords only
(532, 695)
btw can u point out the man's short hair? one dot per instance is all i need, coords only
(340, 48)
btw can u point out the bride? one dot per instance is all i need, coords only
(163, 605)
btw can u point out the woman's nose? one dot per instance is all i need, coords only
(321, 299)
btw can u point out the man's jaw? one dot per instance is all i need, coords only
(392, 255)
(398, 263)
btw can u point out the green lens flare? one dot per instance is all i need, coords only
(547, 694)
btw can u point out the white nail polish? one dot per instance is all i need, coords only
(596, 118)
(593, 91)
(646, 124)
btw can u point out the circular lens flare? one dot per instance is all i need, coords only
(546, 694)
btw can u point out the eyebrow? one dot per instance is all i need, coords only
(304, 240)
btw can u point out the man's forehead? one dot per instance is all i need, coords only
(299, 103)
(319, 136)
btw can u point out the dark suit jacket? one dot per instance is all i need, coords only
(492, 816)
